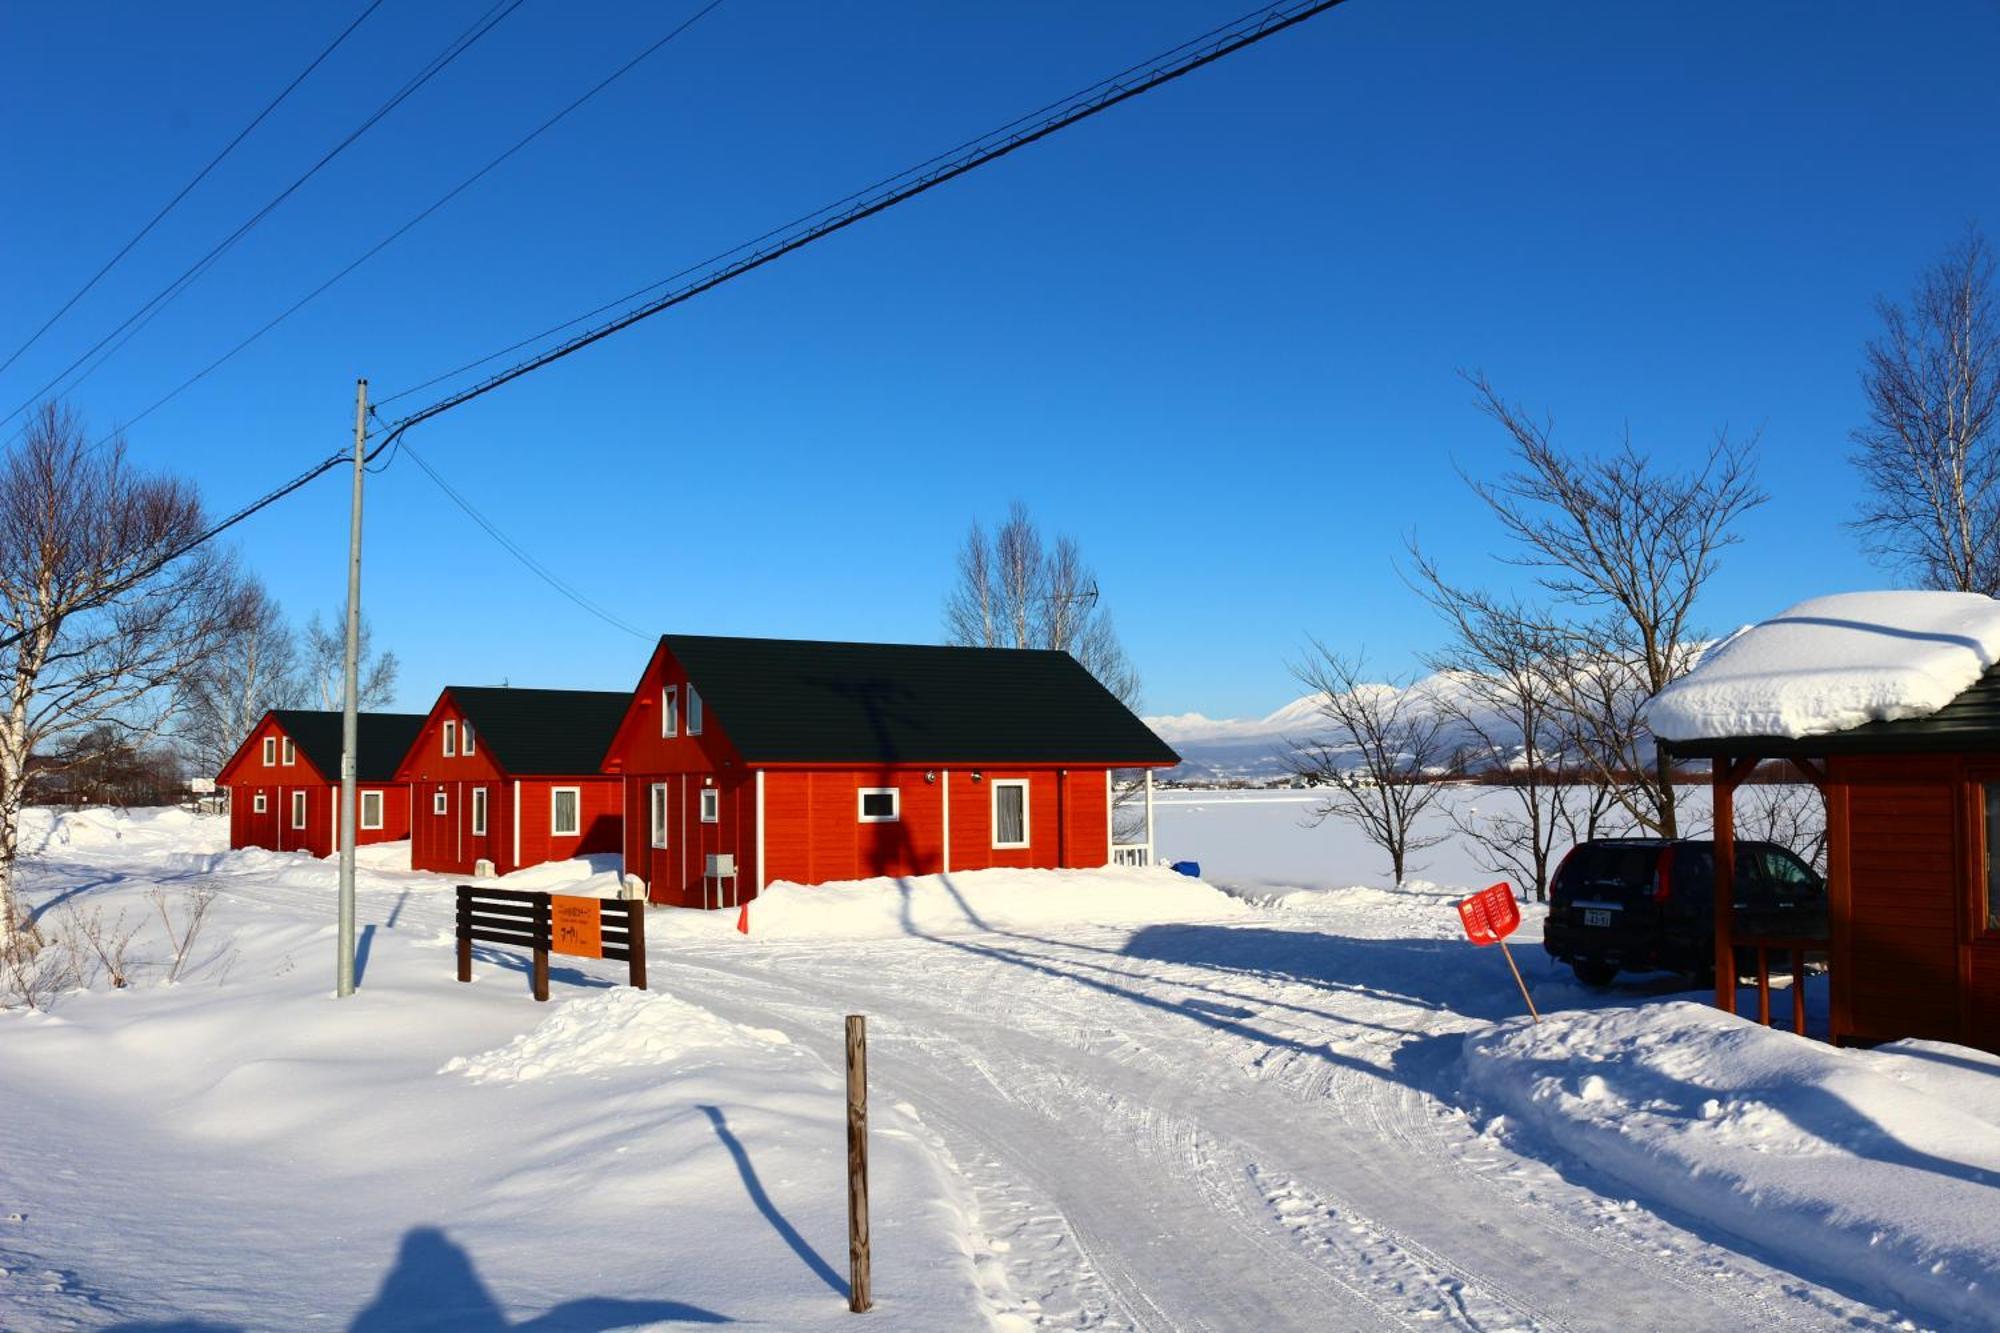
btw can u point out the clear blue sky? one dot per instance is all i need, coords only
(1214, 334)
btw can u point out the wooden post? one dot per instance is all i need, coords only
(464, 953)
(635, 911)
(1763, 986)
(1724, 779)
(860, 1296)
(544, 928)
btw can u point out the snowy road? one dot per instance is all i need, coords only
(1233, 1126)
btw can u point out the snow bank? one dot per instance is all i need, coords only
(977, 900)
(614, 1030)
(1832, 663)
(1880, 1168)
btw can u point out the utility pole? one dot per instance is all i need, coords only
(350, 721)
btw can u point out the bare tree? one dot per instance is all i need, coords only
(100, 637)
(1930, 453)
(1379, 757)
(1791, 814)
(254, 671)
(1016, 591)
(1630, 545)
(1505, 700)
(324, 648)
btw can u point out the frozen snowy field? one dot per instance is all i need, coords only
(1124, 1100)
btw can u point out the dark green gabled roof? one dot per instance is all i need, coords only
(562, 733)
(1969, 724)
(381, 740)
(803, 701)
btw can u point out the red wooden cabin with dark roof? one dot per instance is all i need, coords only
(511, 777)
(284, 781)
(808, 761)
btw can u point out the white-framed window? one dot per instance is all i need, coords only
(440, 803)
(694, 711)
(371, 809)
(270, 751)
(711, 806)
(465, 736)
(670, 710)
(1010, 812)
(298, 809)
(565, 812)
(258, 804)
(288, 752)
(658, 813)
(879, 805)
(479, 812)
(450, 739)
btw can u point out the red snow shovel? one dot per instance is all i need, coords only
(1490, 916)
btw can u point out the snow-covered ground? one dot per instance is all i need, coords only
(1294, 1104)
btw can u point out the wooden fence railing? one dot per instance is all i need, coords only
(546, 923)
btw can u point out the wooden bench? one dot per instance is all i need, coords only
(546, 923)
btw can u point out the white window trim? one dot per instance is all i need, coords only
(479, 804)
(555, 795)
(258, 804)
(450, 739)
(270, 752)
(670, 710)
(440, 803)
(656, 813)
(465, 737)
(288, 752)
(895, 815)
(1027, 824)
(711, 806)
(694, 710)
(298, 809)
(376, 823)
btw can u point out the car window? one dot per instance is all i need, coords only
(1787, 875)
(1600, 869)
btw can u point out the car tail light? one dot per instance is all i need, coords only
(1663, 877)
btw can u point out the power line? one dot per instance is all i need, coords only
(1017, 134)
(145, 313)
(199, 177)
(1186, 59)
(440, 202)
(514, 548)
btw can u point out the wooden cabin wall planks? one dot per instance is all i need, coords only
(526, 920)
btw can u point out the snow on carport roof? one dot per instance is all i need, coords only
(1834, 663)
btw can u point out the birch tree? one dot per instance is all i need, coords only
(94, 634)
(255, 669)
(1929, 454)
(1014, 590)
(1378, 755)
(324, 651)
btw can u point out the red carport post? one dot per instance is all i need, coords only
(1726, 773)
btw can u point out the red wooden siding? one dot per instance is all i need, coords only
(279, 781)
(674, 874)
(446, 842)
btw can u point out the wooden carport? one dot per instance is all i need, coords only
(1913, 817)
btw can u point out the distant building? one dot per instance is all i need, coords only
(284, 781)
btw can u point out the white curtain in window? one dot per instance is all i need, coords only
(1010, 814)
(565, 814)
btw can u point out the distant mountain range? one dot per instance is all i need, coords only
(1255, 749)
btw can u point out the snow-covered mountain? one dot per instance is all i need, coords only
(1255, 749)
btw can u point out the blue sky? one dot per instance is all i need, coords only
(1215, 334)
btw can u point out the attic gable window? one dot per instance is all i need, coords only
(289, 751)
(694, 712)
(270, 750)
(450, 739)
(670, 711)
(465, 737)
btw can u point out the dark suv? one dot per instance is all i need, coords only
(1648, 904)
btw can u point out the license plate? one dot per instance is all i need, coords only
(1597, 916)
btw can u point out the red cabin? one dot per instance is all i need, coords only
(284, 781)
(748, 761)
(503, 778)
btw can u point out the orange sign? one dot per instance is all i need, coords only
(1490, 915)
(576, 926)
